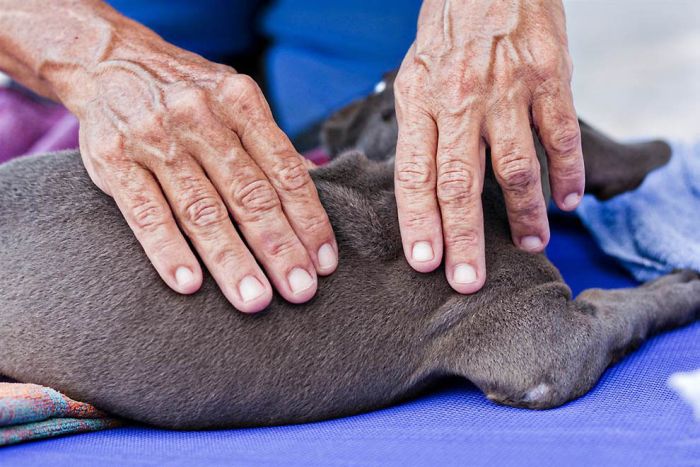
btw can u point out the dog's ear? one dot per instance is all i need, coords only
(368, 125)
(613, 168)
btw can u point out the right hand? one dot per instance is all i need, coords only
(482, 73)
(179, 141)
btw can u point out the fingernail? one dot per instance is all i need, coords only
(531, 243)
(327, 258)
(422, 251)
(299, 280)
(184, 277)
(464, 274)
(250, 288)
(571, 200)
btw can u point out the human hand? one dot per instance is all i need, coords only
(179, 141)
(476, 74)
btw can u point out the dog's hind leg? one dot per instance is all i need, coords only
(629, 316)
(625, 318)
(552, 349)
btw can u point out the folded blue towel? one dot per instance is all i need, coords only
(655, 228)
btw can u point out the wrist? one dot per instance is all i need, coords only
(73, 65)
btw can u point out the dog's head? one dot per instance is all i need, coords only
(368, 124)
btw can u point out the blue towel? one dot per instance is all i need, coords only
(655, 228)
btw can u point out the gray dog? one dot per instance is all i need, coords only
(83, 311)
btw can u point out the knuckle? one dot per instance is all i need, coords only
(244, 97)
(516, 171)
(228, 258)
(315, 224)
(204, 210)
(256, 197)
(149, 215)
(552, 66)
(281, 246)
(164, 246)
(292, 175)
(517, 178)
(415, 174)
(565, 138)
(570, 173)
(526, 214)
(456, 182)
(463, 240)
(418, 222)
(245, 90)
(246, 83)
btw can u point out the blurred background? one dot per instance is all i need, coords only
(637, 66)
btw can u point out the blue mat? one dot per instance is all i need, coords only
(629, 418)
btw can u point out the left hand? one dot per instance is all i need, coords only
(476, 74)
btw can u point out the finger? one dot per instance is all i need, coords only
(415, 183)
(205, 220)
(255, 206)
(249, 116)
(460, 175)
(141, 201)
(555, 117)
(518, 172)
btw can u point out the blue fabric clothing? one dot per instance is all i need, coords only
(212, 28)
(630, 418)
(656, 228)
(325, 54)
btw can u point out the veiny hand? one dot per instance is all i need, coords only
(476, 74)
(180, 141)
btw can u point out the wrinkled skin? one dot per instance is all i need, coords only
(477, 74)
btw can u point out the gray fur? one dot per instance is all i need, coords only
(83, 311)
